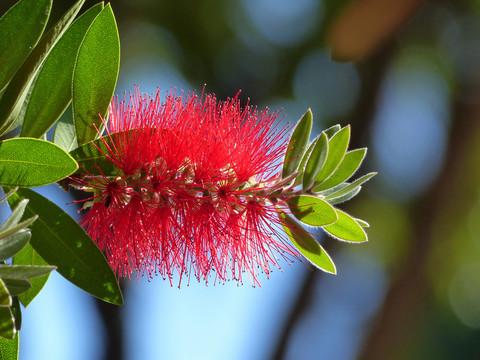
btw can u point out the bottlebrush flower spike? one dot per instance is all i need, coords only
(195, 186)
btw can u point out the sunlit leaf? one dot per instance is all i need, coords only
(31, 162)
(12, 100)
(315, 161)
(95, 75)
(91, 157)
(21, 27)
(332, 130)
(312, 210)
(60, 241)
(344, 196)
(306, 244)
(52, 91)
(24, 271)
(349, 165)
(16, 286)
(64, 134)
(346, 228)
(352, 186)
(337, 147)
(298, 144)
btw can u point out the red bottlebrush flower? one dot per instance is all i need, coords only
(191, 193)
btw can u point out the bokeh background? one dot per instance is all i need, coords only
(406, 75)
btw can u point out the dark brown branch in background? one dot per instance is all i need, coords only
(408, 295)
(372, 74)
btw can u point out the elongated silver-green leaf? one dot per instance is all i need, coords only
(306, 244)
(312, 210)
(13, 244)
(21, 27)
(301, 167)
(346, 228)
(52, 90)
(351, 186)
(16, 286)
(337, 147)
(15, 216)
(95, 75)
(8, 195)
(7, 323)
(298, 144)
(362, 223)
(60, 241)
(7, 232)
(332, 130)
(344, 196)
(30, 162)
(28, 256)
(315, 161)
(12, 100)
(24, 271)
(349, 165)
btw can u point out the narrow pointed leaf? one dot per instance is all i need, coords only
(315, 161)
(362, 223)
(17, 313)
(17, 228)
(298, 144)
(12, 100)
(9, 348)
(332, 130)
(24, 271)
(21, 27)
(8, 195)
(345, 196)
(351, 186)
(95, 75)
(7, 323)
(5, 297)
(52, 91)
(28, 256)
(312, 210)
(17, 286)
(349, 165)
(15, 216)
(30, 162)
(13, 244)
(306, 244)
(60, 241)
(346, 228)
(301, 167)
(337, 147)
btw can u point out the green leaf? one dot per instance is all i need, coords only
(15, 216)
(315, 161)
(346, 228)
(95, 75)
(345, 196)
(91, 157)
(337, 147)
(298, 144)
(349, 165)
(62, 242)
(362, 223)
(28, 256)
(17, 313)
(332, 130)
(31, 162)
(7, 323)
(350, 187)
(14, 244)
(301, 168)
(52, 91)
(306, 244)
(16, 286)
(15, 229)
(64, 134)
(15, 94)
(21, 27)
(8, 195)
(24, 271)
(312, 210)
(9, 348)
(5, 297)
